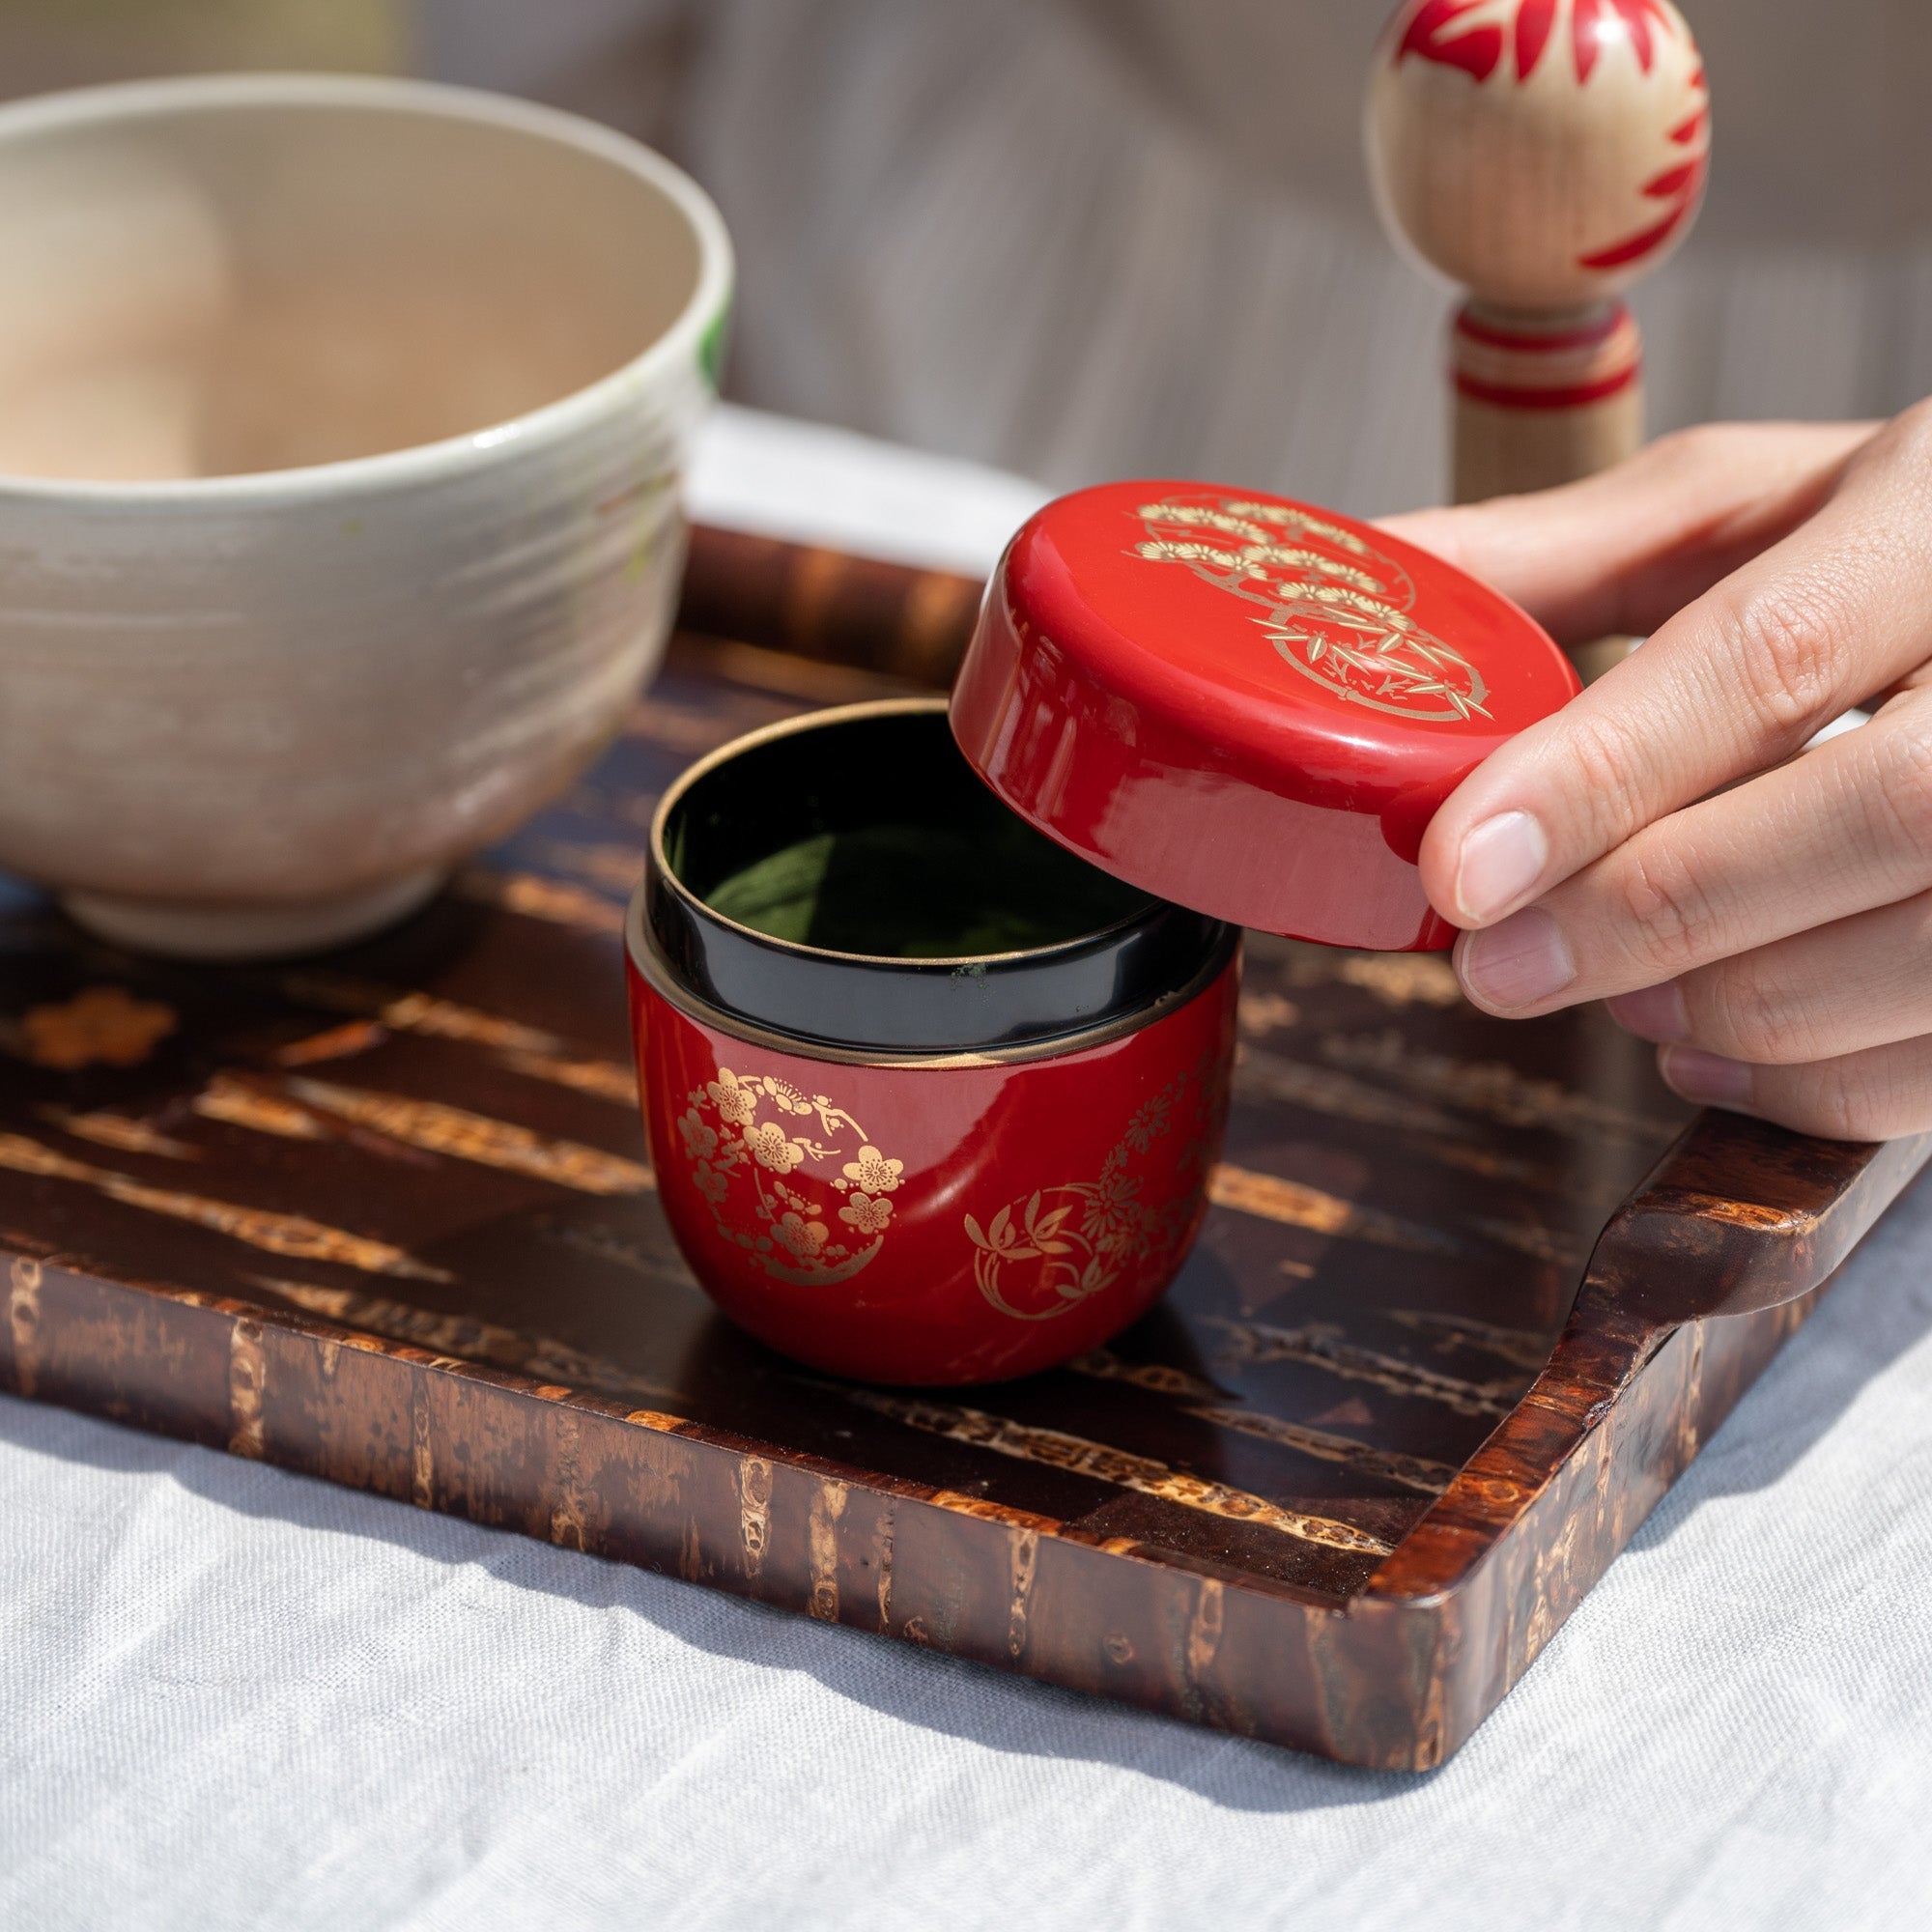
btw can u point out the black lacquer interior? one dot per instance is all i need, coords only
(852, 881)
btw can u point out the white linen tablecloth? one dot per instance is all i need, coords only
(233, 1697)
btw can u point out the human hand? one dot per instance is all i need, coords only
(1762, 911)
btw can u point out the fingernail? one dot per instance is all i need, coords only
(1652, 1012)
(1707, 1078)
(1500, 863)
(1523, 960)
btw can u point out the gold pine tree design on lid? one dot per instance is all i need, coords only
(1335, 608)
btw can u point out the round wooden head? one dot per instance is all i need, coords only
(1545, 154)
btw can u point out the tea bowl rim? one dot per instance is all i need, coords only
(123, 105)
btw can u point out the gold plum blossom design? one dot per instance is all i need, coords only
(873, 1172)
(800, 1236)
(1336, 608)
(760, 1167)
(735, 1104)
(788, 1096)
(868, 1216)
(1083, 1234)
(770, 1146)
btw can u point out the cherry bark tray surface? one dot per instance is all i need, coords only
(387, 1218)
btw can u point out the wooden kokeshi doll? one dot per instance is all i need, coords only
(1544, 154)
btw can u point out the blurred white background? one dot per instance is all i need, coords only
(1086, 238)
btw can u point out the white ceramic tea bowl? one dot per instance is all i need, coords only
(341, 432)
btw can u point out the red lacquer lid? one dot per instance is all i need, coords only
(1244, 705)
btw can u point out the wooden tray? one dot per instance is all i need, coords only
(387, 1218)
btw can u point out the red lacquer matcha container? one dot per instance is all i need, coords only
(945, 1166)
(935, 1026)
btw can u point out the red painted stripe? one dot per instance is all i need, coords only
(1676, 181)
(1533, 25)
(1641, 246)
(1687, 133)
(1583, 36)
(1477, 50)
(1507, 396)
(1566, 341)
(1637, 17)
(1642, 21)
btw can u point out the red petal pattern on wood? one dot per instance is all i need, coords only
(1534, 22)
(1686, 182)
(1441, 31)
(1478, 50)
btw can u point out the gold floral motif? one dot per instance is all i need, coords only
(873, 1172)
(798, 1236)
(1343, 621)
(102, 1026)
(868, 1216)
(770, 1147)
(1083, 1234)
(735, 1104)
(762, 1177)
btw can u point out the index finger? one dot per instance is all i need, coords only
(1620, 552)
(1733, 684)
